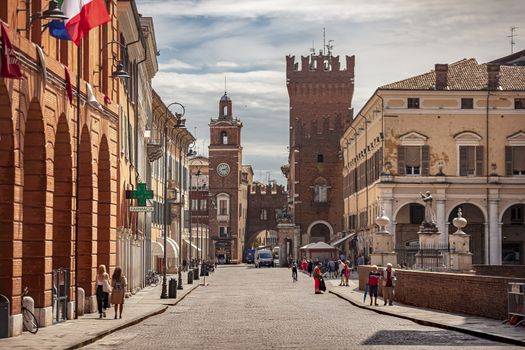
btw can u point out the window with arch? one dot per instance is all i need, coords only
(470, 154)
(224, 138)
(223, 209)
(320, 190)
(515, 155)
(413, 154)
(264, 214)
(225, 110)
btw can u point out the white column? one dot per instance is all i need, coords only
(494, 233)
(441, 221)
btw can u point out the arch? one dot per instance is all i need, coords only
(62, 196)
(35, 271)
(454, 210)
(315, 229)
(9, 261)
(507, 207)
(104, 205)
(475, 228)
(224, 138)
(407, 218)
(513, 234)
(86, 265)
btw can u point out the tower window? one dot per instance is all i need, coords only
(413, 102)
(467, 103)
(224, 138)
(225, 110)
(320, 158)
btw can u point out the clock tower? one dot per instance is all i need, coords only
(225, 156)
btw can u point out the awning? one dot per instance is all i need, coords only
(317, 246)
(193, 245)
(341, 240)
(157, 249)
(172, 246)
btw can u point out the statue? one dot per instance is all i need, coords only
(429, 213)
(282, 216)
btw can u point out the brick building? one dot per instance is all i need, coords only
(38, 171)
(320, 95)
(225, 177)
(456, 131)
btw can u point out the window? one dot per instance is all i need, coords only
(223, 231)
(264, 214)
(320, 158)
(223, 207)
(203, 204)
(519, 103)
(516, 215)
(467, 103)
(413, 160)
(514, 160)
(417, 214)
(194, 204)
(413, 102)
(321, 193)
(470, 160)
(224, 138)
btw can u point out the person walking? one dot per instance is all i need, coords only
(373, 284)
(331, 268)
(118, 283)
(310, 267)
(388, 277)
(340, 268)
(294, 271)
(317, 278)
(346, 273)
(103, 289)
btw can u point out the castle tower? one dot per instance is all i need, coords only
(320, 95)
(225, 159)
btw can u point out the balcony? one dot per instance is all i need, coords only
(154, 150)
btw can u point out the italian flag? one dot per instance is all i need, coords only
(83, 15)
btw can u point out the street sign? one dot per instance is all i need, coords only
(141, 194)
(141, 209)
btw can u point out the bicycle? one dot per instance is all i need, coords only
(29, 319)
(152, 278)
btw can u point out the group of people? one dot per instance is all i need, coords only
(388, 279)
(116, 287)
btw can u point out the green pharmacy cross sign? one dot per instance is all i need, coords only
(141, 194)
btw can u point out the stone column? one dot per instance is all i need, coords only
(383, 244)
(441, 221)
(494, 233)
(388, 204)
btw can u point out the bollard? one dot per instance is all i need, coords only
(172, 289)
(190, 276)
(196, 273)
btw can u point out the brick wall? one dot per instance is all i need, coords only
(484, 296)
(514, 271)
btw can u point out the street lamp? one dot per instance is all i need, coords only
(119, 72)
(179, 123)
(53, 12)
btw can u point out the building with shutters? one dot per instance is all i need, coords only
(457, 131)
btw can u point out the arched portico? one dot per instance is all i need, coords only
(319, 231)
(475, 228)
(513, 234)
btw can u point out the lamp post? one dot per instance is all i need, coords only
(179, 123)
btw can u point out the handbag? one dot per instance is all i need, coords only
(322, 286)
(106, 288)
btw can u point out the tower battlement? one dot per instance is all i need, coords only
(319, 64)
(263, 190)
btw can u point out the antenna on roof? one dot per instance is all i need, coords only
(329, 47)
(225, 84)
(324, 39)
(312, 49)
(511, 36)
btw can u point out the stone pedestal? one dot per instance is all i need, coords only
(430, 254)
(381, 259)
(383, 244)
(460, 255)
(285, 232)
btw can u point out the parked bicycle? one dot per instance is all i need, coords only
(152, 278)
(29, 319)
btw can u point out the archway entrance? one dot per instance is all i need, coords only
(320, 231)
(475, 228)
(408, 219)
(513, 235)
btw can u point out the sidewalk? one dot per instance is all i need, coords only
(74, 334)
(477, 326)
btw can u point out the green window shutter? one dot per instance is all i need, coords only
(401, 160)
(508, 160)
(479, 160)
(463, 161)
(425, 160)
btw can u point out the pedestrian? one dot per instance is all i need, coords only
(294, 271)
(118, 282)
(317, 278)
(373, 284)
(388, 277)
(360, 260)
(310, 267)
(340, 268)
(346, 273)
(331, 267)
(184, 264)
(103, 289)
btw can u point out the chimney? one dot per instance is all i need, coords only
(441, 76)
(493, 76)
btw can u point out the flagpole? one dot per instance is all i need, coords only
(77, 200)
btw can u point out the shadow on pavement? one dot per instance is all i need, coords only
(431, 338)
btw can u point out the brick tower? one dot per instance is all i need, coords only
(225, 157)
(320, 95)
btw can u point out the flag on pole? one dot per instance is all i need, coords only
(83, 15)
(9, 66)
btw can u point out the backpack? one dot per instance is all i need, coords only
(118, 285)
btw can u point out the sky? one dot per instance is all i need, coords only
(202, 42)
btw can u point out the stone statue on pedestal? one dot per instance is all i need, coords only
(429, 223)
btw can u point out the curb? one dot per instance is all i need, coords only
(478, 334)
(132, 322)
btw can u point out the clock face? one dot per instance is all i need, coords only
(223, 169)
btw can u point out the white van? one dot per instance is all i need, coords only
(263, 257)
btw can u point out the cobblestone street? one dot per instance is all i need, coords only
(247, 308)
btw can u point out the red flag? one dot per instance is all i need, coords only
(10, 67)
(69, 89)
(107, 100)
